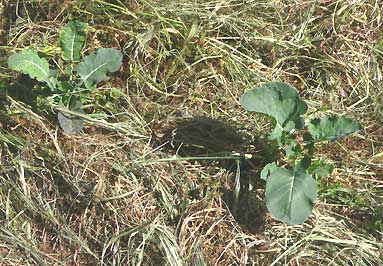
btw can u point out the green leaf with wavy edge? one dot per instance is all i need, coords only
(332, 127)
(278, 100)
(30, 63)
(290, 195)
(267, 170)
(72, 40)
(97, 65)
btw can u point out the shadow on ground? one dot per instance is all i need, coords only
(27, 91)
(22, 89)
(206, 137)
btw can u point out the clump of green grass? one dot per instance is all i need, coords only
(92, 198)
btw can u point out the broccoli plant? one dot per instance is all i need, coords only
(291, 188)
(72, 79)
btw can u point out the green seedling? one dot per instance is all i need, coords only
(292, 189)
(72, 79)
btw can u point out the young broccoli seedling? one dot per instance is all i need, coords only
(291, 190)
(73, 78)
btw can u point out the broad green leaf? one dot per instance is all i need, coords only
(267, 170)
(290, 195)
(95, 66)
(72, 124)
(332, 127)
(72, 40)
(278, 100)
(30, 63)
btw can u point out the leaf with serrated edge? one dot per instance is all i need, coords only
(278, 100)
(332, 127)
(96, 66)
(30, 63)
(290, 195)
(72, 40)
